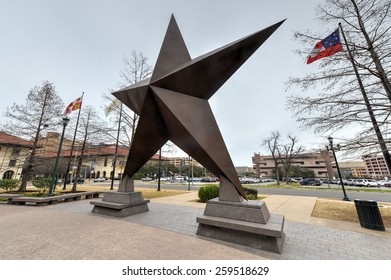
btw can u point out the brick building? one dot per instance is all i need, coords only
(322, 163)
(355, 169)
(376, 166)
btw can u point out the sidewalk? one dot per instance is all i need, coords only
(167, 231)
(294, 208)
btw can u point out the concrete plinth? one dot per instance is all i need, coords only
(120, 204)
(246, 223)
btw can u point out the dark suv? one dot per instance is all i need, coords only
(311, 182)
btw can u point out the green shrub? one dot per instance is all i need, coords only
(9, 184)
(208, 192)
(42, 184)
(252, 194)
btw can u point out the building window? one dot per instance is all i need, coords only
(12, 163)
(16, 151)
(8, 174)
(105, 162)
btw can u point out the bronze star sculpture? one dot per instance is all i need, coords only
(173, 105)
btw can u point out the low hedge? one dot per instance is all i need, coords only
(211, 191)
(42, 184)
(9, 184)
(252, 194)
(208, 192)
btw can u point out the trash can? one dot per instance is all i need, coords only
(369, 214)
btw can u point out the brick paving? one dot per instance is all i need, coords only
(177, 225)
(302, 241)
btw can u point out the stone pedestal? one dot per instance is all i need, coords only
(125, 202)
(246, 223)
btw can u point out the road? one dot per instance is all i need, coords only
(322, 191)
(325, 193)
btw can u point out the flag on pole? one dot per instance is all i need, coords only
(73, 106)
(326, 47)
(115, 104)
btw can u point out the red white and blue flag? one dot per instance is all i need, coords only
(326, 47)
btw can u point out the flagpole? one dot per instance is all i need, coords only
(73, 145)
(382, 143)
(116, 148)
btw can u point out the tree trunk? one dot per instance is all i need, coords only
(375, 57)
(277, 173)
(368, 105)
(26, 172)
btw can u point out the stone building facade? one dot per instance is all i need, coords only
(13, 153)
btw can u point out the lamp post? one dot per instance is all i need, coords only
(158, 172)
(65, 122)
(188, 178)
(331, 147)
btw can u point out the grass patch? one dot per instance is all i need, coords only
(36, 194)
(150, 194)
(282, 185)
(323, 187)
(345, 211)
(147, 193)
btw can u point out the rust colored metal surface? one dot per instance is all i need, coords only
(173, 103)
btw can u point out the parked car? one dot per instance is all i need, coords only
(382, 183)
(165, 179)
(350, 182)
(370, 183)
(79, 181)
(207, 179)
(366, 183)
(310, 182)
(146, 179)
(359, 183)
(245, 180)
(196, 179)
(100, 179)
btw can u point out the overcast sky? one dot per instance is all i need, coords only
(78, 45)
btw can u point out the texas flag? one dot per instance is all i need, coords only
(73, 106)
(327, 47)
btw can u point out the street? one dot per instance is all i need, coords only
(322, 191)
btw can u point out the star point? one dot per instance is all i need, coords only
(173, 103)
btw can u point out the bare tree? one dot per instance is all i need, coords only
(128, 119)
(287, 153)
(91, 130)
(271, 144)
(135, 69)
(43, 109)
(335, 100)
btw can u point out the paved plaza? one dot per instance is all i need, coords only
(70, 231)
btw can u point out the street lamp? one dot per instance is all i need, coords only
(188, 178)
(331, 147)
(65, 122)
(158, 172)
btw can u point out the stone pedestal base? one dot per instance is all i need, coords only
(246, 223)
(120, 204)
